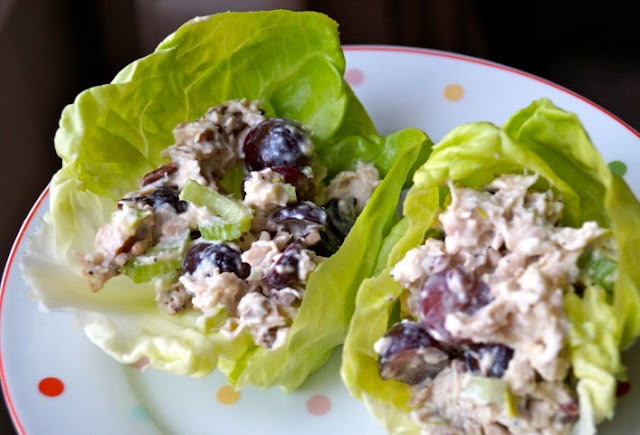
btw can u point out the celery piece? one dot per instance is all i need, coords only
(140, 271)
(227, 208)
(485, 390)
(129, 218)
(291, 192)
(600, 269)
(219, 230)
(213, 319)
(162, 260)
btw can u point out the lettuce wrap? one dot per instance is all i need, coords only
(602, 318)
(293, 66)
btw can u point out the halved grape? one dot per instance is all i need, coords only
(306, 213)
(489, 360)
(335, 231)
(277, 142)
(297, 178)
(450, 291)
(409, 354)
(568, 412)
(223, 256)
(284, 272)
(342, 220)
(160, 196)
(299, 219)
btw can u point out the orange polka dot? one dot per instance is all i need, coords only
(318, 405)
(51, 387)
(227, 395)
(453, 92)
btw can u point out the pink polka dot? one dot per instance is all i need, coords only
(51, 387)
(141, 363)
(318, 404)
(354, 76)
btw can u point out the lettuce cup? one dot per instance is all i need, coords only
(220, 202)
(506, 294)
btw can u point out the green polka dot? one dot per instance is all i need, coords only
(617, 167)
(140, 413)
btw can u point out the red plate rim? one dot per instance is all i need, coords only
(3, 285)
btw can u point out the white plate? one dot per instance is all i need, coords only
(400, 87)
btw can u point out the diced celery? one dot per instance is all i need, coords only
(213, 320)
(227, 208)
(168, 281)
(511, 403)
(599, 268)
(162, 260)
(485, 390)
(130, 218)
(219, 230)
(140, 271)
(291, 192)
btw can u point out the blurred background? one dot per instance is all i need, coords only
(51, 50)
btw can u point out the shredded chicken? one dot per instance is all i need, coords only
(509, 237)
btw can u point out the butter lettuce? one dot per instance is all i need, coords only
(292, 63)
(542, 139)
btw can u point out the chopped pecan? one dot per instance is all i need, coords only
(157, 174)
(127, 245)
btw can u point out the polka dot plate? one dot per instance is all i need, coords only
(55, 381)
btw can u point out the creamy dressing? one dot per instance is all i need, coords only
(209, 287)
(265, 320)
(267, 190)
(260, 256)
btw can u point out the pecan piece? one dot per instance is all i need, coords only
(157, 174)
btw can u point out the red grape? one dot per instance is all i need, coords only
(410, 354)
(284, 272)
(450, 291)
(297, 178)
(225, 257)
(277, 142)
(300, 219)
(476, 357)
(160, 196)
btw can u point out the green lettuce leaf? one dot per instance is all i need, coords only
(292, 63)
(594, 341)
(542, 139)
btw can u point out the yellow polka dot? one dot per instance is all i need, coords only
(453, 92)
(227, 395)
